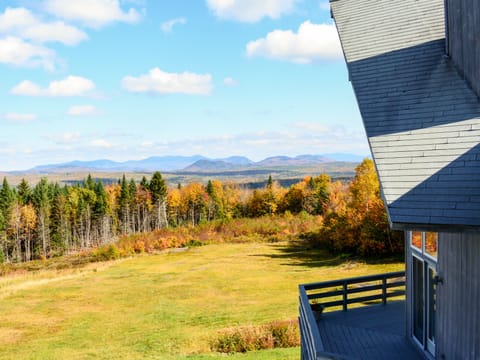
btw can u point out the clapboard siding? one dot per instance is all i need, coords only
(463, 24)
(458, 329)
(421, 117)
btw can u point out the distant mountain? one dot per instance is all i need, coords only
(95, 164)
(238, 160)
(161, 163)
(301, 160)
(210, 165)
(196, 163)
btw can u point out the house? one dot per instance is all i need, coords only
(414, 66)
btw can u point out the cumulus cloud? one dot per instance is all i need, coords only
(17, 52)
(19, 118)
(167, 26)
(82, 110)
(21, 23)
(92, 13)
(70, 86)
(311, 43)
(160, 82)
(250, 10)
(230, 82)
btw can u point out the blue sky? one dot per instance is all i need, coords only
(129, 79)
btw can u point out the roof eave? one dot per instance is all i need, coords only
(447, 228)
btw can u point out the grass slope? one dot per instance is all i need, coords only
(166, 306)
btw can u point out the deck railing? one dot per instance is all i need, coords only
(315, 297)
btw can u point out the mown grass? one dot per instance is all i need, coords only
(164, 306)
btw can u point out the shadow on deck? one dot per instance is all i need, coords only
(369, 332)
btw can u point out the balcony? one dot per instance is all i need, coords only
(369, 325)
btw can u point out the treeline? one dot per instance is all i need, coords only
(49, 219)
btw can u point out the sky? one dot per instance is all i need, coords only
(130, 79)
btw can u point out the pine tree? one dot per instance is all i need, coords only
(124, 205)
(158, 188)
(24, 192)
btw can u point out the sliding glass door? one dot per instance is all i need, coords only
(424, 298)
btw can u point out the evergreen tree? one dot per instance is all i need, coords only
(124, 205)
(158, 189)
(89, 183)
(144, 183)
(7, 198)
(24, 192)
(269, 182)
(101, 202)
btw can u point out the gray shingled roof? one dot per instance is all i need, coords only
(421, 118)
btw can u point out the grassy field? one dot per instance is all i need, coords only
(166, 306)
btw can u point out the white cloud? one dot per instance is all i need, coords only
(160, 82)
(21, 23)
(312, 42)
(93, 13)
(100, 143)
(167, 26)
(70, 86)
(19, 118)
(65, 138)
(228, 81)
(82, 110)
(250, 10)
(15, 51)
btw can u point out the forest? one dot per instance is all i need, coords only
(49, 220)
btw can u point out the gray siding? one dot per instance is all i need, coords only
(421, 117)
(463, 24)
(458, 321)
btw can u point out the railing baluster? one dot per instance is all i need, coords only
(345, 296)
(384, 290)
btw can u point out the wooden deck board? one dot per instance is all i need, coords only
(371, 332)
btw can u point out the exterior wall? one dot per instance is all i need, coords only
(458, 300)
(463, 27)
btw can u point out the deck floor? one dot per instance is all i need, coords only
(370, 332)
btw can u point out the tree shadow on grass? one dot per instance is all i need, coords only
(302, 253)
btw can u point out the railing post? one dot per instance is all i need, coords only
(384, 290)
(345, 296)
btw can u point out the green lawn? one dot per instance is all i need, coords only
(166, 306)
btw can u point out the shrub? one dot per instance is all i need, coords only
(106, 252)
(279, 334)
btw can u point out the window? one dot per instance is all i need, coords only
(417, 239)
(423, 302)
(424, 243)
(431, 240)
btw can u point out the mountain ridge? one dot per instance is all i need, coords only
(194, 163)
